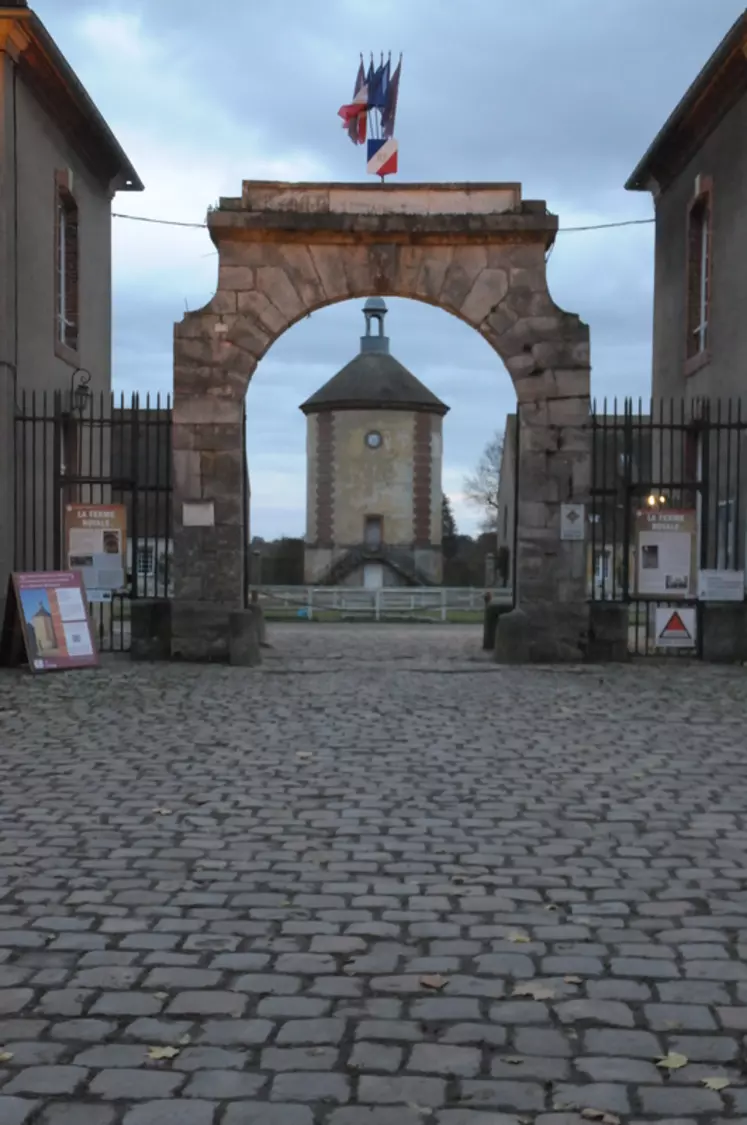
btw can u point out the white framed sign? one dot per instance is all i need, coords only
(721, 585)
(572, 521)
(676, 628)
(198, 513)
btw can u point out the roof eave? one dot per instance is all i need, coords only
(642, 177)
(311, 407)
(62, 75)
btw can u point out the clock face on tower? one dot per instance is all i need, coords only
(373, 439)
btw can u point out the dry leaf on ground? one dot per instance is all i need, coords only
(573, 980)
(673, 1061)
(716, 1083)
(434, 981)
(161, 811)
(304, 755)
(161, 995)
(535, 989)
(5, 1056)
(512, 1061)
(185, 1039)
(519, 938)
(158, 1053)
(600, 1115)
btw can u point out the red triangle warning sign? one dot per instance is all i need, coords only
(675, 627)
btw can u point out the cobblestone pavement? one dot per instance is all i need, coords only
(377, 882)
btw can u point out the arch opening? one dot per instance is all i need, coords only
(386, 425)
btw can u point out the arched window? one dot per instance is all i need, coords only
(67, 313)
(699, 272)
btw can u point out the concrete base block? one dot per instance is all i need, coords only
(608, 632)
(200, 631)
(512, 638)
(256, 609)
(724, 632)
(243, 639)
(150, 629)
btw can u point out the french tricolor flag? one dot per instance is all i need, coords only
(382, 157)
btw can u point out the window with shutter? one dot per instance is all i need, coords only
(699, 275)
(67, 312)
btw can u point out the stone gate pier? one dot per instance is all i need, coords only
(475, 250)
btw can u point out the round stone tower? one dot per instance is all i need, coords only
(374, 455)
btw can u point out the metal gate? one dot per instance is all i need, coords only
(659, 475)
(93, 449)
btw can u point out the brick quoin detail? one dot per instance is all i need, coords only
(325, 480)
(421, 485)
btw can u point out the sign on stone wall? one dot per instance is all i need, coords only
(572, 521)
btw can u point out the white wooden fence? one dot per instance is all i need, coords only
(386, 603)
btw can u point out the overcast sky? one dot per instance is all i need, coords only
(562, 95)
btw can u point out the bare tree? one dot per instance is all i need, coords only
(481, 487)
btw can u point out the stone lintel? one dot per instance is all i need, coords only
(406, 229)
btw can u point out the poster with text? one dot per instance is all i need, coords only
(54, 619)
(95, 539)
(665, 546)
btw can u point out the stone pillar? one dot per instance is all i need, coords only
(724, 632)
(208, 524)
(550, 573)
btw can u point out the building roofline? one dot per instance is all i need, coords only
(50, 74)
(675, 127)
(329, 407)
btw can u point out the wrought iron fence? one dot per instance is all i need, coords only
(96, 450)
(667, 504)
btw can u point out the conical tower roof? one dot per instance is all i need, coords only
(374, 379)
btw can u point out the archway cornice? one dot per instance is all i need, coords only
(413, 214)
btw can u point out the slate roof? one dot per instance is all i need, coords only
(374, 380)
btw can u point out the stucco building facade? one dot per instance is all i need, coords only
(696, 170)
(374, 459)
(60, 167)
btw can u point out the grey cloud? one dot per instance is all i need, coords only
(563, 95)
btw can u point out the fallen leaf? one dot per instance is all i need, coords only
(304, 755)
(510, 1061)
(434, 981)
(161, 811)
(551, 906)
(573, 980)
(161, 995)
(518, 938)
(158, 1053)
(5, 1056)
(185, 1039)
(673, 1061)
(534, 989)
(600, 1115)
(709, 1083)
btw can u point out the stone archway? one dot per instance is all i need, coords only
(285, 250)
